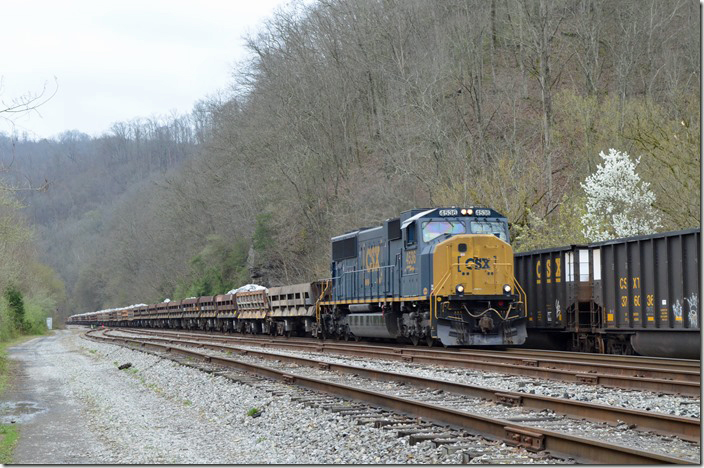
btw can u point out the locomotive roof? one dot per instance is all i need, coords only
(408, 216)
(439, 212)
(416, 216)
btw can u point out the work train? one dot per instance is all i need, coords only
(449, 275)
(431, 275)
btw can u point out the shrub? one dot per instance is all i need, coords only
(16, 305)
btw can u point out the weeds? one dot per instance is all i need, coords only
(8, 440)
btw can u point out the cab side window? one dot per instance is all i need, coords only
(411, 235)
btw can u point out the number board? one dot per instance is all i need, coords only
(450, 212)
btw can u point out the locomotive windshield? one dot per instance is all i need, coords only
(433, 229)
(489, 227)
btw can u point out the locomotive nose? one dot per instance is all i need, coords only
(473, 264)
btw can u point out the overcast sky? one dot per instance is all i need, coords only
(112, 61)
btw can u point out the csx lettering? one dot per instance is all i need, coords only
(411, 261)
(372, 257)
(477, 263)
(548, 269)
(623, 283)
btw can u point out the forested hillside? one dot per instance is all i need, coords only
(351, 111)
(74, 191)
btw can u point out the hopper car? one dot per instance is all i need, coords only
(622, 296)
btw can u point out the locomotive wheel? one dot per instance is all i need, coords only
(415, 339)
(429, 341)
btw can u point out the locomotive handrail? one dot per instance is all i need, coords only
(352, 276)
(521, 294)
(326, 283)
(433, 296)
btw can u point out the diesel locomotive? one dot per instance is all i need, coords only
(443, 274)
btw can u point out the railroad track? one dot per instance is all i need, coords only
(637, 374)
(644, 361)
(530, 437)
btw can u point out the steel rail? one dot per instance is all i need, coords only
(561, 445)
(665, 363)
(690, 368)
(572, 372)
(684, 427)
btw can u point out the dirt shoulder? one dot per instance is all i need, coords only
(51, 423)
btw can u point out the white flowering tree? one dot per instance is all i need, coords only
(619, 203)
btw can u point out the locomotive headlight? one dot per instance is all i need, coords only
(470, 211)
(507, 288)
(463, 211)
(459, 289)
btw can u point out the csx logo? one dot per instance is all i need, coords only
(372, 257)
(476, 263)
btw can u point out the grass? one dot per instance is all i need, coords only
(8, 438)
(252, 411)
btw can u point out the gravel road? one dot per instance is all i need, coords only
(157, 411)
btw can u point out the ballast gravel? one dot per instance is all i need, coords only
(158, 411)
(616, 434)
(632, 399)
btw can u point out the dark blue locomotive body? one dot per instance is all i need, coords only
(384, 279)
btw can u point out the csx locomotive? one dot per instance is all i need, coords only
(442, 274)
